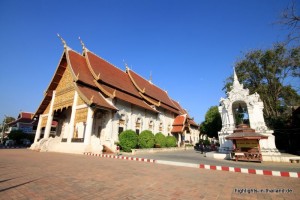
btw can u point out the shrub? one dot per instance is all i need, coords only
(171, 141)
(146, 139)
(206, 142)
(160, 140)
(128, 140)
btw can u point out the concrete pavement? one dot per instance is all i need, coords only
(26, 174)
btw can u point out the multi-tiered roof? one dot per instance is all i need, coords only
(98, 82)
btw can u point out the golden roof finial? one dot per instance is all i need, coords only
(62, 40)
(82, 44)
(150, 80)
(127, 68)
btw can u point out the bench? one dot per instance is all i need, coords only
(294, 160)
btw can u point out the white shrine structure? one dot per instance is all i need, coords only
(239, 98)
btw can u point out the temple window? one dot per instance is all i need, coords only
(138, 126)
(122, 123)
(150, 125)
(160, 127)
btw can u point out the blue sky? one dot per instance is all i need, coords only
(189, 47)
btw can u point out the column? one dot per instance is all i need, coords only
(89, 126)
(50, 117)
(38, 130)
(72, 119)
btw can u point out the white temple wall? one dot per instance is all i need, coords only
(65, 123)
(79, 129)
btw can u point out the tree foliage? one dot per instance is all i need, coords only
(160, 140)
(17, 135)
(268, 73)
(171, 141)
(128, 140)
(146, 139)
(7, 120)
(212, 123)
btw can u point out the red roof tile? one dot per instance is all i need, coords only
(179, 120)
(129, 98)
(110, 74)
(177, 129)
(150, 89)
(23, 117)
(80, 68)
(91, 96)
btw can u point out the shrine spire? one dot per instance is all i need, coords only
(235, 78)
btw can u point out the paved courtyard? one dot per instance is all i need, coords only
(27, 174)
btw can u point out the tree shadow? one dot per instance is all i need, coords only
(15, 186)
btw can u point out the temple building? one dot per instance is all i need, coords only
(93, 101)
(24, 123)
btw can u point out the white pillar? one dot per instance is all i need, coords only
(50, 117)
(72, 120)
(89, 126)
(38, 130)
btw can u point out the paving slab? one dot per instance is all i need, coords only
(26, 174)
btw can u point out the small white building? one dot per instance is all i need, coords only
(239, 98)
(93, 101)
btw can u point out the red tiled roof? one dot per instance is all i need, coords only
(80, 67)
(150, 90)
(26, 115)
(110, 74)
(91, 96)
(177, 129)
(179, 120)
(179, 124)
(181, 110)
(128, 98)
(23, 117)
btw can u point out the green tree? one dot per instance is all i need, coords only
(5, 121)
(17, 135)
(212, 123)
(268, 73)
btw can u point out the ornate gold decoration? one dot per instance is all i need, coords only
(81, 115)
(134, 83)
(80, 101)
(92, 98)
(150, 100)
(64, 91)
(103, 90)
(46, 111)
(44, 121)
